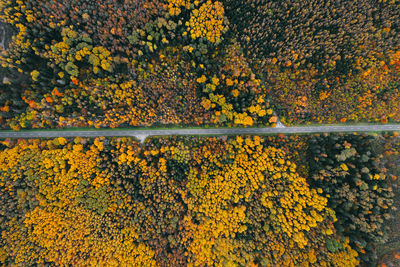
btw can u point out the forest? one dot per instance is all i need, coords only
(237, 200)
(314, 200)
(127, 63)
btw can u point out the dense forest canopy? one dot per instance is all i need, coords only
(115, 63)
(192, 201)
(315, 200)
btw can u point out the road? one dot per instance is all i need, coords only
(143, 134)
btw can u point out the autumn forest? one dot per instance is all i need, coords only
(194, 201)
(321, 199)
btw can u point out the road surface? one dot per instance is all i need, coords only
(143, 134)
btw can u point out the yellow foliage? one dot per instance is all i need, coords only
(295, 212)
(240, 202)
(59, 229)
(235, 93)
(202, 79)
(215, 80)
(344, 167)
(207, 21)
(206, 103)
(229, 82)
(62, 140)
(35, 75)
(174, 6)
(345, 258)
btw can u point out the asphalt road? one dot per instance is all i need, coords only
(143, 134)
